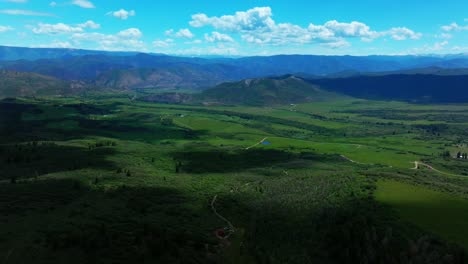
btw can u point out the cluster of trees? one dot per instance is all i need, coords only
(462, 155)
(166, 121)
(434, 129)
(127, 172)
(104, 143)
(136, 225)
(178, 166)
(24, 153)
(445, 154)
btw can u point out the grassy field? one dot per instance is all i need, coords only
(435, 211)
(110, 180)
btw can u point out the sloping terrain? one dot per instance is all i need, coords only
(401, 87)
(177, 76)
(14, 84)
(267, 91)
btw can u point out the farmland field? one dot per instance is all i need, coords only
(439, 212)
(106, 180)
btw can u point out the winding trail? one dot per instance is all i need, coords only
(256, 144)
(418, 163)
(353, 161)
(213, 208)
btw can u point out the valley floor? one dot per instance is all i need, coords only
(112, 180)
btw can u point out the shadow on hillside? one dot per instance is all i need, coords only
(35, 159)
(55, 124)
(50, 220)
(222, 160)
(205, 161)
(62, 218)
(355, 231)
(90, 109)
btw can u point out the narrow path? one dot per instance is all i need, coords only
(231, 227)
(256, 144)
(353, 161)
(360, 163)
(418, 163)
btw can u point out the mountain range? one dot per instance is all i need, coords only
(248, 80)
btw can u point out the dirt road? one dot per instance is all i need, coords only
(417, 164)
(213, 208)
(256, 144)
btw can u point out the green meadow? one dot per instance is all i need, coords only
(105, 179)
(439, 212)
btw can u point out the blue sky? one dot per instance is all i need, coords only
(239, 28)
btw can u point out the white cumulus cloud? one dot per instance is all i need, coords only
(401, 33)
(62, 28)
(337, 44)
(22, 12)
(122, 14)
(129, 39)
(353, 29)
(454, 27)
(83, 3)
(5, 29)
(59, 28)
(253, 19)
(444, 36)
(89, 24)
(163, 43)
(130, 33)
(218, 37)
(440, 45)
(257, 26)
(184, 33)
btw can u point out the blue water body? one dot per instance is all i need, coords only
(266, 143)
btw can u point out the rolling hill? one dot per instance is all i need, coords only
(15, 84)
(180, 75)
(136, 71)
(266, 91)
(418, 88)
